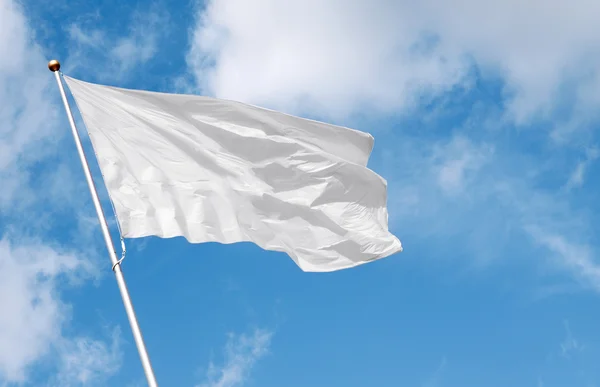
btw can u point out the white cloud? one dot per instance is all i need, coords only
(575, 257)
(341, 57)
(487, 204)
(458, 163)
(88, 362)
(576, 178)
(33, 272)
(324, 54)
(570, 343)
(241, 354)
(141, 44)
(32, 127)
(92, 38)
(119, 54)
(26, 115)
(578, 175)
(32, 310)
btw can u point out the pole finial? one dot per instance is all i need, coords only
(54, 65)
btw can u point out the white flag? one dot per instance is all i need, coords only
(212, 170)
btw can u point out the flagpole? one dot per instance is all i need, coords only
(54, 66)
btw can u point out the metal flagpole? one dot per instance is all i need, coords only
(54, 66)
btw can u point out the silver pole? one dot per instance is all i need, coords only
(54, 66)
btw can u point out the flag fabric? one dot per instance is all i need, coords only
(213, 170)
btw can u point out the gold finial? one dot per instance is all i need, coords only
(54, 65)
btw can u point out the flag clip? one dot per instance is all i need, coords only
(123, 251)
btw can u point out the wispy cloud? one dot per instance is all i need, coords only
(578, 258)
(241, 354)
(478, 199)
(90, 38)
(577, 177)
(458, 162)
(141, 43)
(120, 54)
(567, 362)
(434, 379)
(88, 362)
(570, 343)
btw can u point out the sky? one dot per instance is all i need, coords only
(486, 118)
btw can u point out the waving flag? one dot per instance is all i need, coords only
(213, 170)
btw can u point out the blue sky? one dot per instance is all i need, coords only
(485, 117)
